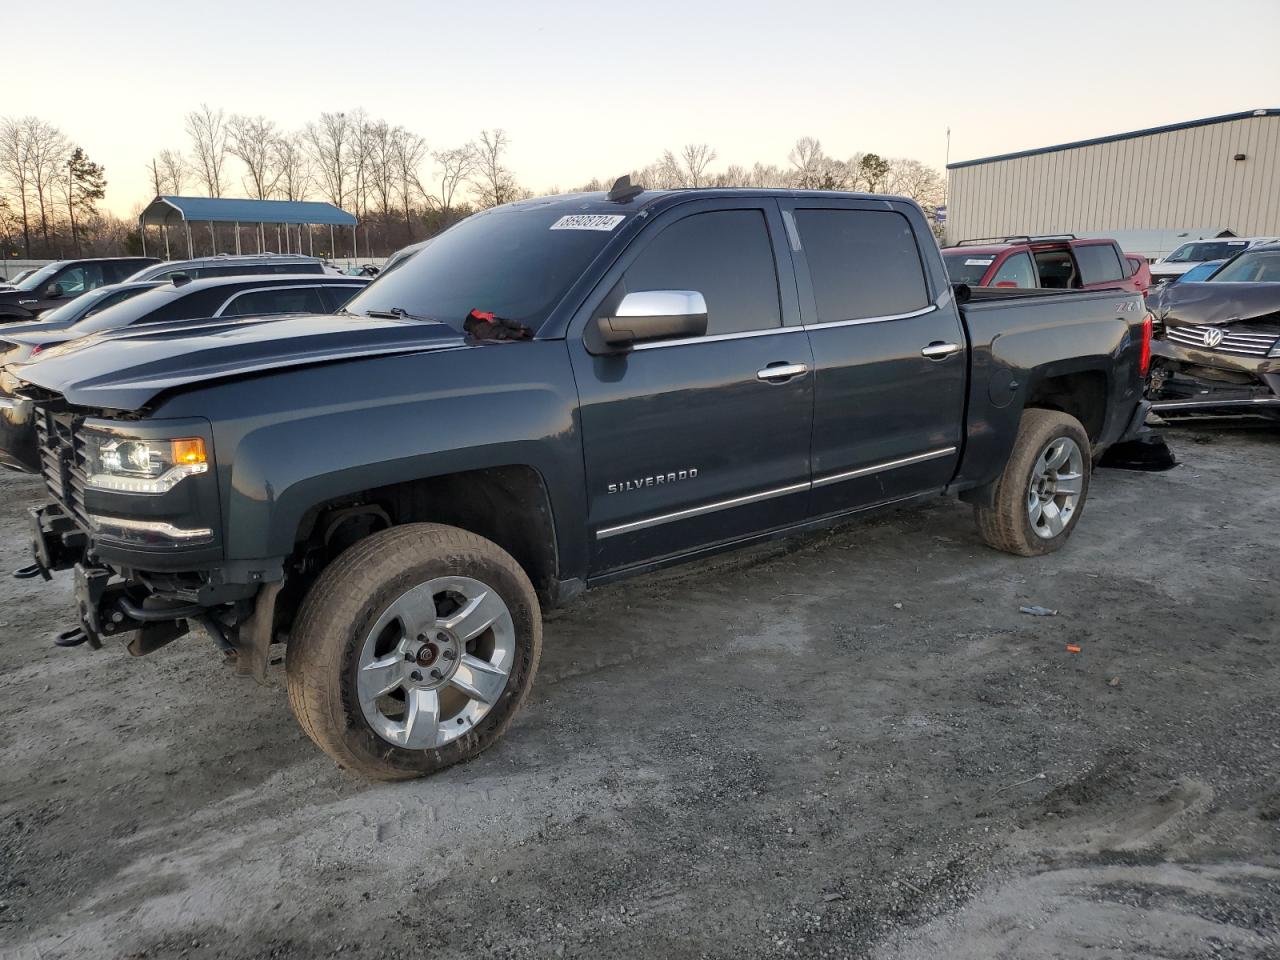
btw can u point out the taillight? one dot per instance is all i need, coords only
(37, 348)
(1144, 356)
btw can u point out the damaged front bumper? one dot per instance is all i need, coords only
(1189, 382)
(106, 604)
(155, 608)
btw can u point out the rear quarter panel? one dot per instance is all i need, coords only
(1018, 342)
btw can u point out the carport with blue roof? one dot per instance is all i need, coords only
(169, 211)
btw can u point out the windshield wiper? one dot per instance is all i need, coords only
(395, 313)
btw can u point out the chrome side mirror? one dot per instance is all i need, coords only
(655, 315)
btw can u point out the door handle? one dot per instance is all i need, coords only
(780, 372)
(939, 350)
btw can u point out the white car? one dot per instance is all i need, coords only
(1198, 251)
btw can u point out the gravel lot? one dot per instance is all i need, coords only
(853, 745)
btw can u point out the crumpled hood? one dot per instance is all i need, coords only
(1179, 304)
(125, 369)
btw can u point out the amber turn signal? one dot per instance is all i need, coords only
(189, 451)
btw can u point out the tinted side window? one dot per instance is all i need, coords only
(202, 303)
(336, 297)
(1098, 263)
(111, 299)
(279, 300)
(226, 271)
(1016, 271)
(80, 279)
(118, 270)
(292, 268)
(726, 256)
(863, 263)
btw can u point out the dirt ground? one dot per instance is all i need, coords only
(851, 746)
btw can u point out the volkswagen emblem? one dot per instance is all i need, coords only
(1212, 337)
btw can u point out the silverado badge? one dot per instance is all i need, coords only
(675, 476)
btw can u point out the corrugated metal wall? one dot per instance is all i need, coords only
(1175, 180)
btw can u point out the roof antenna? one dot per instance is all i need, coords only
(624, 190)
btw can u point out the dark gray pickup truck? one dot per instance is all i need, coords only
(552, 395)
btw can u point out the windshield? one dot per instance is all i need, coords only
(1262, 266)
(968, 267)
(1206, 250)
(39, 278)
(1201, 271)
(90, 303)
(516, 262)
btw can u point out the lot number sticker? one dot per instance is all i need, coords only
(978, 263)
(589, 221)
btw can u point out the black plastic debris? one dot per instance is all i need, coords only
(1147, 451)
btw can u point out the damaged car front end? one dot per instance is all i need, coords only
(137, 494)
(135, 514)
(1216, 350)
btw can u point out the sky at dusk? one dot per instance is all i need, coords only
(590, 90)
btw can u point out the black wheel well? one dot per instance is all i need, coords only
(1083, 395)
(508, 505)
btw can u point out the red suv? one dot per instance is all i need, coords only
(1060, 262)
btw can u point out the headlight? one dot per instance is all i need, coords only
(1275, 350)
(127, 465)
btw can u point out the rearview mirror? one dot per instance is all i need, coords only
(655, 315)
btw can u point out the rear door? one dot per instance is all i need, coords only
(690, 442)
(889, 354)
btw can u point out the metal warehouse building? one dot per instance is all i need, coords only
(1220, 173)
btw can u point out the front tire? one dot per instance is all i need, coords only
(413, 651)
(1041, 493)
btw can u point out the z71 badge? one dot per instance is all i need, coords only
(675, 476)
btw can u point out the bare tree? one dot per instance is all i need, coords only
(293, 165)
(920, 182)
(155, 176)
(493, 184)
(667, 173)
(809, 161)
(15, 165)
(379, 137)
(207, 129)
(361, 160)
(330, 143)
(251, 140)
(767, 175)
(408, 151)
(173, 171)
(814, 170)
(696, 158)
(8, 225)
(47, 150)
(455, 167)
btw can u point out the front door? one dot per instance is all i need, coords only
(889, 355)
(691, 442)
(71, 282)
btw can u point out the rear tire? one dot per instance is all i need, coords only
(413, 651)
(1041, 493)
